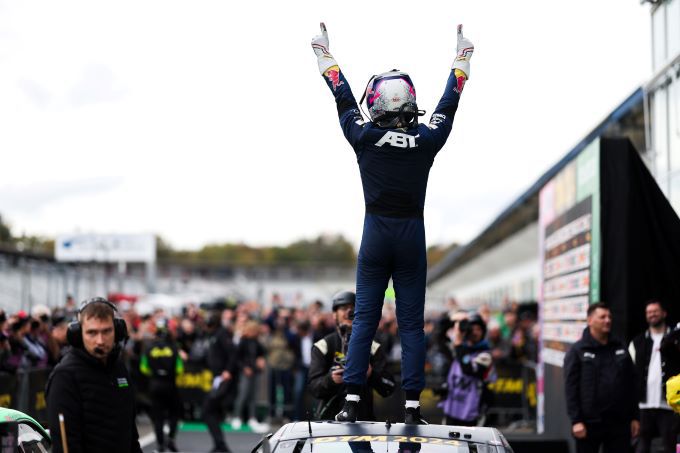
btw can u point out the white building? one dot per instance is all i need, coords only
(662, 99)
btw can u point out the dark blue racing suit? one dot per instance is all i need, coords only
(394, 166)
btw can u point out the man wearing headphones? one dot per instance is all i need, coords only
(89, 393)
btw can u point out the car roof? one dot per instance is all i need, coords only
(300, 430)
(14, 416)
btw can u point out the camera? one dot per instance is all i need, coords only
(463, 325)
(340, 359)
(345, 331)
(446, 323)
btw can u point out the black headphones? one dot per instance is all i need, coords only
(74, 334)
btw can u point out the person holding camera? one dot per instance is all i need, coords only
(89, 394)
(471, 369)
(329, 356)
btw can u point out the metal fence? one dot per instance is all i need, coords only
(26, 282)
(25, 391)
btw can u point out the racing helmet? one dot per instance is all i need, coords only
(391, 100)
(343, 298)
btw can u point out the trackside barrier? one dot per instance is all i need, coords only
(25, 391)
(513, 394)
(194, 383)
(512, 402)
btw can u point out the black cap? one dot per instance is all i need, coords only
(344, 298)
(59, 318)
(475, 318)
(19, 323)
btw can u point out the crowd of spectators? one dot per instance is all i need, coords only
(512, 334)
(281, 334)
(30, 341)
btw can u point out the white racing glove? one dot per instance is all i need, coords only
(463, 53)
(320, 46)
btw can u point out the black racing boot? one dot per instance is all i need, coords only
(348, 413)
(412, 416)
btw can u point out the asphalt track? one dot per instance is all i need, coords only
(193, 437)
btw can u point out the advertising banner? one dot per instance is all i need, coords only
(106, 248)
(37, 407)
(8, 388)
(194, 384)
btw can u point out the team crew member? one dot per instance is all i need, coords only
(328, 364)
(162, 364)
(394, 154)
(656, 416)
(599, 379)
(91, 388)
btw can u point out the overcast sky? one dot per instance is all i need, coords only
(207, 121)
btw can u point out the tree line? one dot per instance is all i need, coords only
(324, 250)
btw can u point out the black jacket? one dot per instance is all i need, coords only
(599, 379)
(98, 404)
(247, 353)
(222, 352)
(160, 361)
(640, 350)
(332, 395)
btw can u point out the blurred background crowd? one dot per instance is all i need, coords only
(283, 336)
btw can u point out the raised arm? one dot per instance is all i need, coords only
(441, 121)
(350, 117)
(322, 50)
(464, 49)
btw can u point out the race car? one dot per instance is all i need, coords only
(21, 433)
(377, 437)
